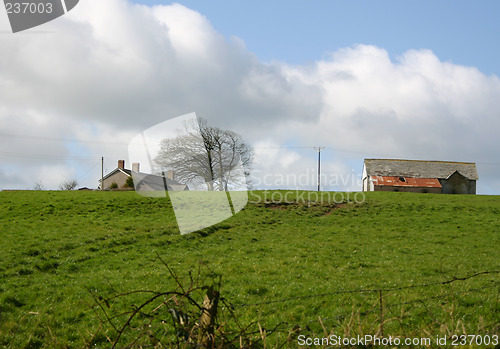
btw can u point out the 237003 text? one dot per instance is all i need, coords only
(28, 7)
(368, 340)
(472, 339)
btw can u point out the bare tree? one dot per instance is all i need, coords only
(38, 186)
(68, 184)
(218, 159)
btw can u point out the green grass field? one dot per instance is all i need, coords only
(59, 249)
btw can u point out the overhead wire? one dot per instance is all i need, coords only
(61, 139)
(90, 141)
(47, 157)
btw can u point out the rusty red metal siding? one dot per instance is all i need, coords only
(393, 181)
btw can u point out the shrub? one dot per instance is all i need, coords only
(68, 184)
(129, 183)
(113, 185)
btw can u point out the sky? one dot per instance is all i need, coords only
(363, 79)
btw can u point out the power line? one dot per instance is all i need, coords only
(86, 174)
(61, 139)
(366, 153)
(286, 147)
(91, 141)
(47, 157)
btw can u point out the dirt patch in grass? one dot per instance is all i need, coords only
(279, 205)
(334, 208)
(324, 209)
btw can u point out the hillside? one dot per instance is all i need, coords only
(61, 249)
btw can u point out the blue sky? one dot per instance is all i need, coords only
(396, 79)
(298, 32)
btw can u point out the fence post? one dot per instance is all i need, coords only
(206, 338)
(381, 312)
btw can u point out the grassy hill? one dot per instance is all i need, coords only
(282, 266)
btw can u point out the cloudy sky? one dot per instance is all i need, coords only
(364, 79)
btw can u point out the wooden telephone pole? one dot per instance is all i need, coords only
(102, 173)
(319, 149)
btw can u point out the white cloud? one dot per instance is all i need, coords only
(109, 69)
(415, 107)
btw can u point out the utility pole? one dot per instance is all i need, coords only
(319, 165)
(102, 173)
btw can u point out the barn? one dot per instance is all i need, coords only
(445, 177)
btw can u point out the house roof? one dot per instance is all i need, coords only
(123, 170)
(153, 182)
(394, 181)
(157, 183)
(419, 168)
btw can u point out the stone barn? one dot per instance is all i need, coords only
(418, 176)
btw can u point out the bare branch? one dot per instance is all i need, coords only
(206, 156)
(68, 184)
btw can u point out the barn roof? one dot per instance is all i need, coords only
(419, 168)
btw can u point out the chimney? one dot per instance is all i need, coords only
(170, 174)
(121, 164)
(135, 166)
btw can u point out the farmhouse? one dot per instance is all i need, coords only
(418, 176)
(142, 181)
